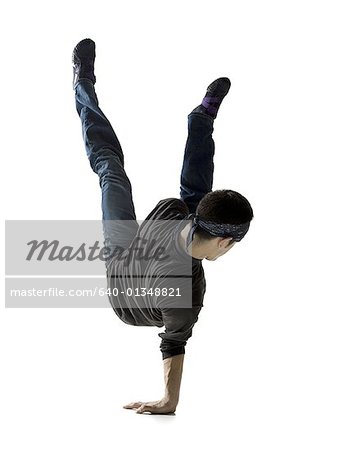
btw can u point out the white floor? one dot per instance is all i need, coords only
(248, 385)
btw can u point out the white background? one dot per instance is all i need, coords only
(261, 367)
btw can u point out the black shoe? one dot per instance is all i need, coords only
(213, 98)
(83, 61)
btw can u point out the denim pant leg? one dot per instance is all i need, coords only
(198, 166)
(107, 161)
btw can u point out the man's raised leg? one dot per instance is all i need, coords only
(198, 166)
(104, 153)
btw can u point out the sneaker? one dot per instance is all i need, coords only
(83, 61)
(213, 98)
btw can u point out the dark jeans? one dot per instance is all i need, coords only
(107, 161)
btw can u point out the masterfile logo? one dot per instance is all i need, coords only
(66, 263)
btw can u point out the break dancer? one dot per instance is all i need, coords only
(207, 223)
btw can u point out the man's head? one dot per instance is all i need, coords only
(220, 207)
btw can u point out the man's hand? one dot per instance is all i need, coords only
(173, 368)
(160, 407)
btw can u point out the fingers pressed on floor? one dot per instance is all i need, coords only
(133, 405)
(141, 410)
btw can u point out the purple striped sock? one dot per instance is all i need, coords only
(212, 104)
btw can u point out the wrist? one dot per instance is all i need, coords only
(170, 400)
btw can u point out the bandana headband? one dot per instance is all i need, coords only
(236, 232)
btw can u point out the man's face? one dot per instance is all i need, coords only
(218, 247)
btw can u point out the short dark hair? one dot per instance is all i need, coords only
(223, 206)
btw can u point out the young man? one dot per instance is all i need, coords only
(201, 224)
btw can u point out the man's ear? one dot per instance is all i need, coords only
(224, 242)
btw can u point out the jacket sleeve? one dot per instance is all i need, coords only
(178, 323)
